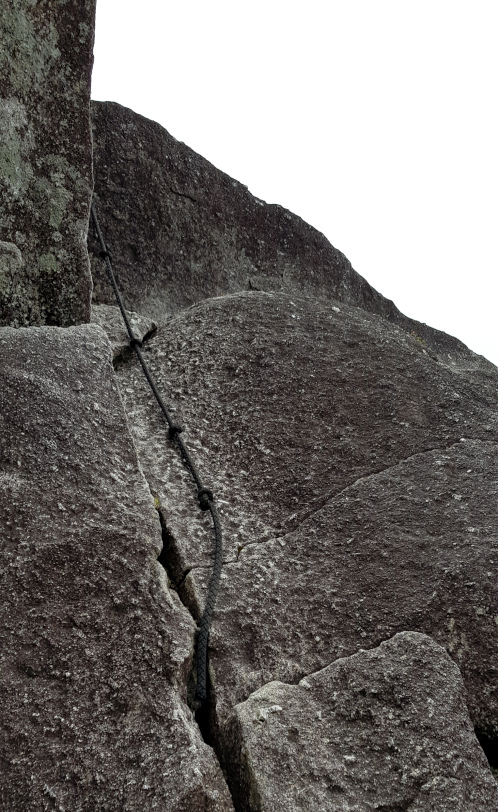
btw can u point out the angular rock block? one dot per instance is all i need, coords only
(45, 160)
(385, 729)
(350, 507)
(95, 648)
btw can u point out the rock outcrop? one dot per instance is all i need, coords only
(356, 478)
(45, 161)
(96, 649)
(352, 453)
(182, 231)
(384, 729)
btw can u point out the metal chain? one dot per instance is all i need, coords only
(204, 495)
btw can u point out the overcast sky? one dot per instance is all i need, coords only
(374, 120)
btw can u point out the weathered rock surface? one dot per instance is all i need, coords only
(352, 510)
(412, 548)
(182, 231)
(95, 648)
(111, 321)
(385, 729)
(45, 161)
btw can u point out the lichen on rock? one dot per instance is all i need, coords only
(46, 158)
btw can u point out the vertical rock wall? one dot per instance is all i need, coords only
(45, 161)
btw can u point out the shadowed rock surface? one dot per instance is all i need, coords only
(95, 648)
(111, 321)
(351, 508)
(181, 231)
(385, 729)
(45, 161)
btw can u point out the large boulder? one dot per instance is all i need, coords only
(385, 729)
(356, 479)
(96, 649)
(45, 161)
(181, 230)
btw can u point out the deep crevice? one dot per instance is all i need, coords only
(169, 557)
(489, 743)
(203, 718)
(202, 713)
(126, 354)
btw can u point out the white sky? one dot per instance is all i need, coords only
(374, 120)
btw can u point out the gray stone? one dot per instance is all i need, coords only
(350, 507)
(182, 231)
(386, 729)
(45, 160)
(413, 547)
(111, 321)
(96, 649)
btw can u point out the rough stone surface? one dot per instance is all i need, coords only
(351, 508)
(95, 648)
(45, 160)
(412, 548)
(386, 729)
(111, 321)
(182, 231)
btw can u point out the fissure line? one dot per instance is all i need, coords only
(204, 495)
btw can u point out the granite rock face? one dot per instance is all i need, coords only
(352, 453)
(45, 161)
(95, 648)
(356, 479)
(385, 729)
(181, 231)
(111, 321)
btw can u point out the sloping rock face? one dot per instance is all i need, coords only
(356, 478)
(382, 730)
(182, 231)
(45, 161)
(95, 648)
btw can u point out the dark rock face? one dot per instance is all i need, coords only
(356, 478)
(111, 321)
(95, 648)
(351, 450)
(182, 231)
(45, 161)
(383, 729)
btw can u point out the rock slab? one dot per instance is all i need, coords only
(385, 729)
(46, 55)
(95, 648)
(350, 506)
(181, 231)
